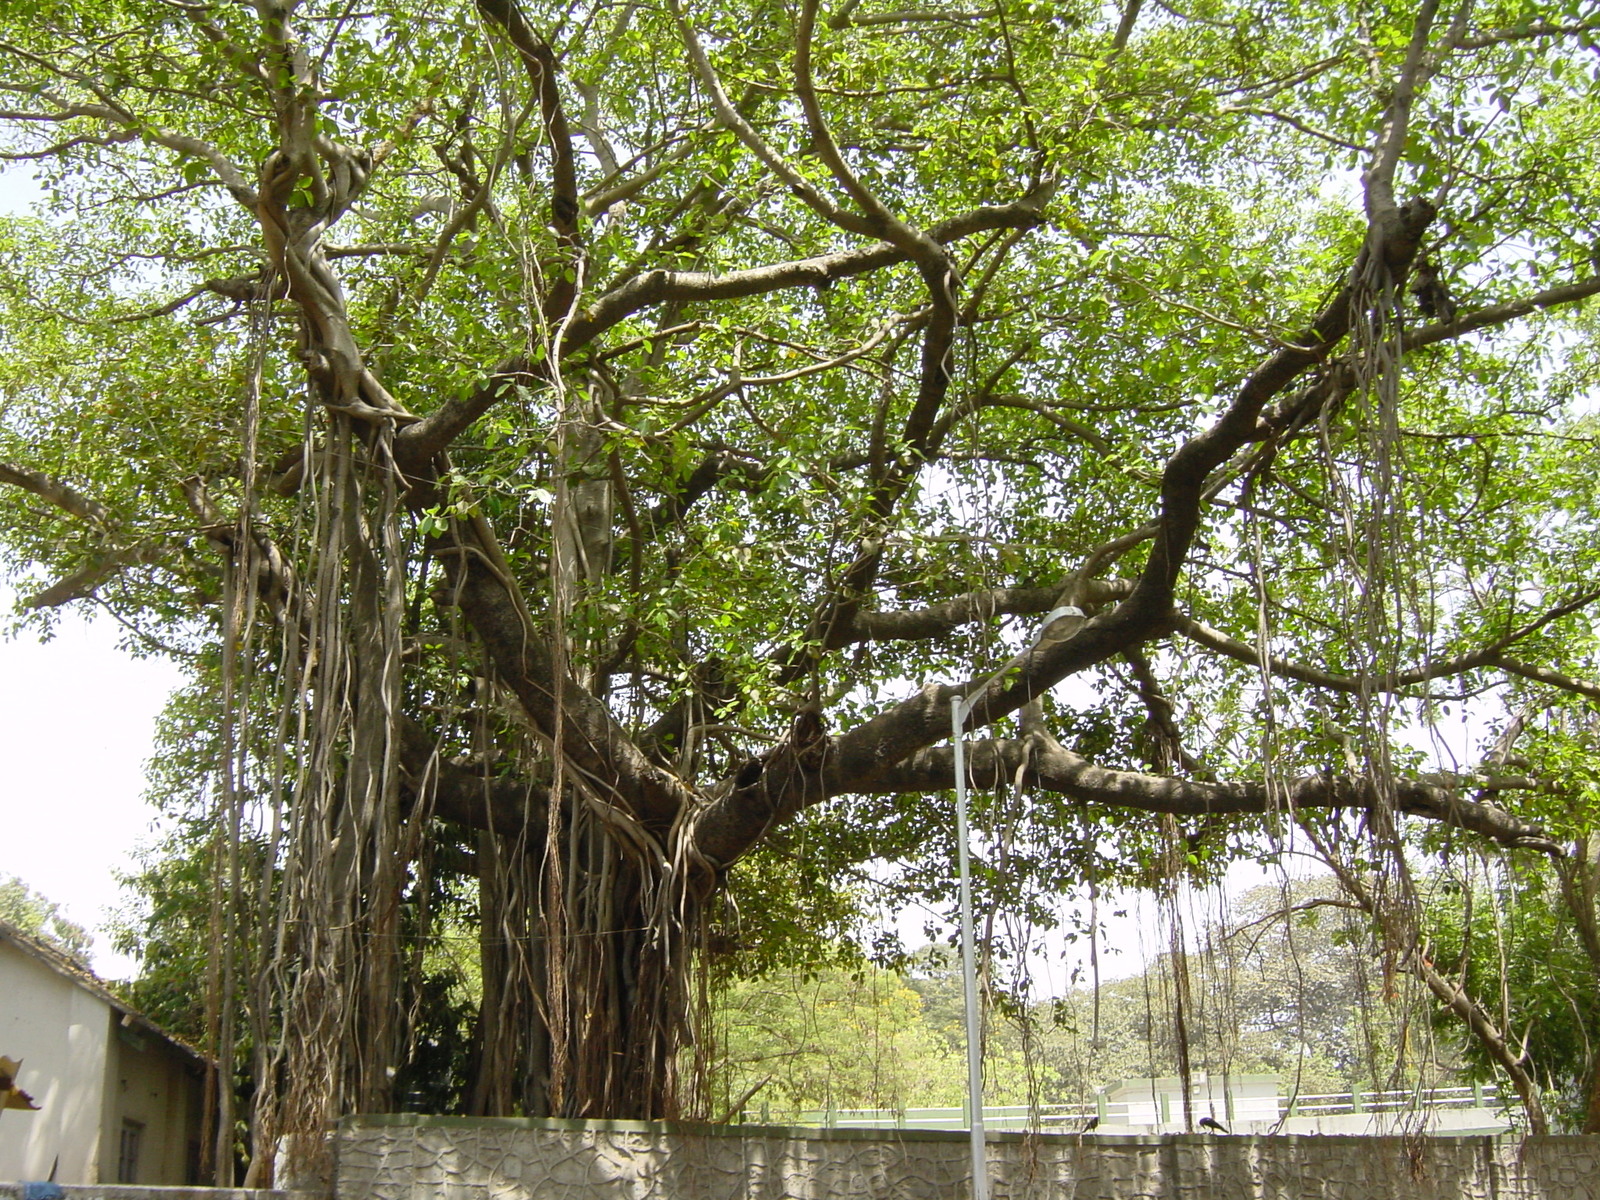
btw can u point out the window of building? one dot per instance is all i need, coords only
(128, 1152)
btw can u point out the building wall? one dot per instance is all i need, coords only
(1157, 1104)
(154, 1087)
(91, 1071)
(442, 1158)
(59, 1031)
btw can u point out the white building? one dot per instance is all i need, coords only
(119, 1101)
(1156, 1105)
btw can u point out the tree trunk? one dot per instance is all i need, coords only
(612, 958)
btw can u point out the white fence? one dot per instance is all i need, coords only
(1137, 1116)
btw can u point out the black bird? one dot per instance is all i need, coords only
(1090, 1125)
(1213, 1123)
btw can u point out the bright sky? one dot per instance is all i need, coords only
(76, 720)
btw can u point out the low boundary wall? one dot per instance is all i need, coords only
(403, 1157)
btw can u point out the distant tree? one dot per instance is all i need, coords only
(1512, 935)
(837, 1037)
(1290, 983)
(42, 919)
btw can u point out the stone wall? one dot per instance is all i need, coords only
(445, 1158)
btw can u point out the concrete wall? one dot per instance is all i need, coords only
(150, 1083)
(443, 1158)
(59, 1031)
(91, 1067)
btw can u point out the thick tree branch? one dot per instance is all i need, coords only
(1545, 675)
(698, 483)
(65, 497)
(732, 119)
(877, 744)
(688, 287)
(1166, 751)
(1383, 211)
(1491, 655)
(921, 435)
(1501, 314)
(1130, 15)
(84, 581)
(928, 254)
(127, 125)
(1525, 32)
(945, 617)
(417, 445)
(736, 820)
(593, 743)
(102, 566)
(868, 752)
(941, 619)
(539, 60)
(1456, 998)
(466, 797)
(1054, 768)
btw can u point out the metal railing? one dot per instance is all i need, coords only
(1071, 1118)
(1404, 1100)
(1051, 1117)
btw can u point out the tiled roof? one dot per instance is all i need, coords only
(71, 968)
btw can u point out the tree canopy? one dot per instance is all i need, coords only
(585, 449)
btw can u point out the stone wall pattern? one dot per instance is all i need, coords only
(443, 1158)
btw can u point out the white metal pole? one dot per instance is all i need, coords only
(969, 971)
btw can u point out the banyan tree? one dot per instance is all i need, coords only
(582, 449)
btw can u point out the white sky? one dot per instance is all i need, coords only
(76, 720)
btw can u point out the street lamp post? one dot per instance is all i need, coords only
(1058, 625)
(960, 707)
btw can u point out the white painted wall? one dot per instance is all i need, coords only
(59, 1030)
(1237, 1099)
(149, 1084)
(90, 1066)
